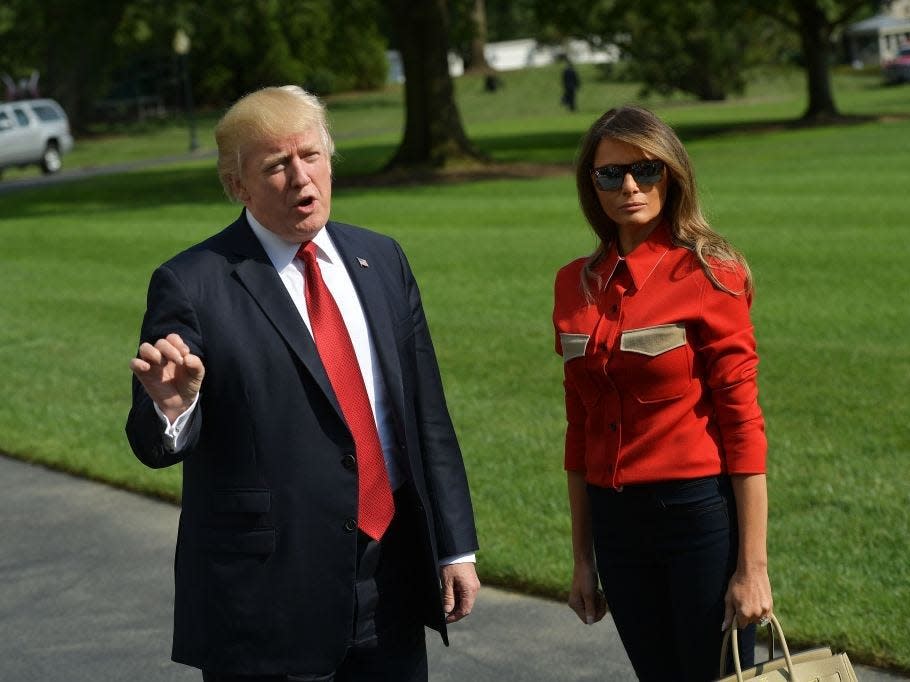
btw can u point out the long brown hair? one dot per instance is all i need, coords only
(688, 227)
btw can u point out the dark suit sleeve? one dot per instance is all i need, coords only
(444, 471)
(168, 311)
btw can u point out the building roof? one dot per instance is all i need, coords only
(880, 22)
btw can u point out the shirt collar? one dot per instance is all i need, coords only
(643, 259)
(282, 252)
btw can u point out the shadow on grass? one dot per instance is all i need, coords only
(135, 190)
(540, 154)
(691, 132)
(516, 155)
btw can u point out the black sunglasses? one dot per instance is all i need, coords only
(645, 172)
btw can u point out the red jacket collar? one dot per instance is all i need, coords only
(643, 259)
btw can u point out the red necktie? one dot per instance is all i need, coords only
(375, 503)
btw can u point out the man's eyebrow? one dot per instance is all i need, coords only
(279, 156)
(270, 159)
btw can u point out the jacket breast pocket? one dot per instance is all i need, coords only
(582, 370)
(657, 361)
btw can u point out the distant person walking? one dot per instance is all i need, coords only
(570, 85)
(665, 441)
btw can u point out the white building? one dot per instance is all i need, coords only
(526, 53)
(878, 38)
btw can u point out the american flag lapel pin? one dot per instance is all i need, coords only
(363, 262)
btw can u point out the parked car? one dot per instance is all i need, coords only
(34, 131)
(897, 70)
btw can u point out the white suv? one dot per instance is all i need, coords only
(33, 131)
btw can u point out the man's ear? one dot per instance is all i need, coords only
(238, 189)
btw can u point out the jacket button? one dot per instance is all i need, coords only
(350, 525)
(349, 462)
(612, 426)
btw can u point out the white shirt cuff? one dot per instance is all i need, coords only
(470, 557)
(175, 434)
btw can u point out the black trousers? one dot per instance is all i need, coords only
(665, 554)
(387, 642)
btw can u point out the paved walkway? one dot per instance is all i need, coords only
(86, 591)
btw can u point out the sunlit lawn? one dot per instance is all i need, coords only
(821, 214)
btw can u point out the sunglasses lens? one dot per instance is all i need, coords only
(608, 182)
(647, 172)
(610, 178)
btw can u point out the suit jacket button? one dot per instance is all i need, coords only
(349, 462)
(350, 525)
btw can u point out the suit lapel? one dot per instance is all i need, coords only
(259, 277)
(365, 269)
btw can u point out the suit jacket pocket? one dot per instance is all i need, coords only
(242, 501)
(232, 541)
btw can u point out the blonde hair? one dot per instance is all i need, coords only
(265, 114)
(688, 226)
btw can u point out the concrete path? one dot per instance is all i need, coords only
(86, 590)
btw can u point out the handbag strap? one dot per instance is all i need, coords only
(725, 646)
(773, 627)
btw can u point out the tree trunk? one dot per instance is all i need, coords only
(815, 36)
(477, 61)
(78, 55)
(433, 133)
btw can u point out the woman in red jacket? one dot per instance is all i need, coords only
(665, 443)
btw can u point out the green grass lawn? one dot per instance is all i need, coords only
(821, 213)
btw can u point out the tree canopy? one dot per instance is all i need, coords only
(123, 48)
(816, 22)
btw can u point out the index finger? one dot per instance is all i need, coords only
(169, 351)
(177, 342)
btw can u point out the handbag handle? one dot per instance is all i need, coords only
(774, 627)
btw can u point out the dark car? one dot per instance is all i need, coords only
(34, 131)
(897, 70)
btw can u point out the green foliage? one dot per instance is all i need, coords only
(510, 19)
(67, 45)
(818, 24)
(320, 45)
(678, 46)
(122, 49)
(357, 47)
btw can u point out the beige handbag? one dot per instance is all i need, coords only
(815, 665)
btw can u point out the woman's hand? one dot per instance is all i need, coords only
(585, 599)
(748, 598)
(748, 595)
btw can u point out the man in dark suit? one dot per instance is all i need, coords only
(286, 362)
